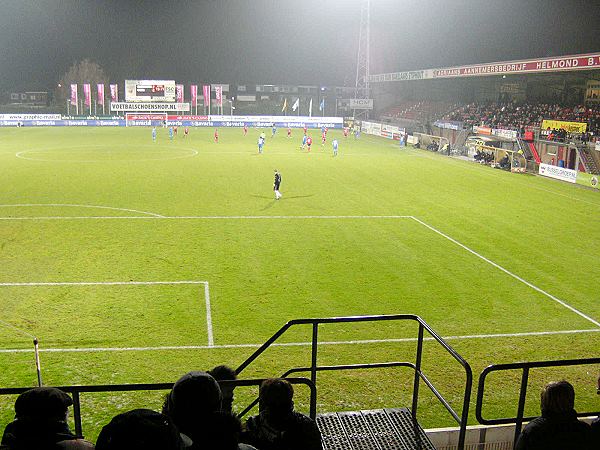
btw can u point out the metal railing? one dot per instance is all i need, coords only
(525, 367)
(416, 365)
(75, 392)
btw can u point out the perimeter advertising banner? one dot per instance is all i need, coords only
(559, 173)
(577, 127)
(150, 90)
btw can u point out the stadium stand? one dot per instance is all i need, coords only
(419, 111)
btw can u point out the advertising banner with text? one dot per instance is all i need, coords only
(577, 127)
(560, 173)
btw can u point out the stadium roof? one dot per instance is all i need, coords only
(587, 61)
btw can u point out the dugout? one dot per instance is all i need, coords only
(503, 158)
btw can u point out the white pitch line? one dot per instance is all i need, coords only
(508, 272)
(209, 327)
(157, 216)
(35, 205)
(295, 344)
(100, 283)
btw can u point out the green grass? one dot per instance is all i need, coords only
(265, 271)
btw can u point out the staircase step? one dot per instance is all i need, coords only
(381, 429)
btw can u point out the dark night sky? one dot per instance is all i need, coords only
(286, 41)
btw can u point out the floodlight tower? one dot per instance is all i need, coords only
(361, 90)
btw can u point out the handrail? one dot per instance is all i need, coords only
(525, 367)
(419, 375)
(75, 391)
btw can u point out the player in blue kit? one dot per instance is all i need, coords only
(153, 134)
(303, 146)
(171, 133)
(335, 147)
(261, 143)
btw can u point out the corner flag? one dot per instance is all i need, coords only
(296, 104)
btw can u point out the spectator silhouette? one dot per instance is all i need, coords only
(140, 429)
(596, 424)
(558, 427)
(278, 426)
(41, 422)
(225, 373)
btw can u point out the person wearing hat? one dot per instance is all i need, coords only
(41, 422)
(140, 429)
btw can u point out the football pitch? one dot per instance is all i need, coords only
(137, 261)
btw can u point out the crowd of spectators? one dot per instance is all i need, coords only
(518, 116)
(196, 414)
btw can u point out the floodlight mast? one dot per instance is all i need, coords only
(361, 90)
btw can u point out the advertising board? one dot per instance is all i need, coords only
(150, 90)
(559, 173)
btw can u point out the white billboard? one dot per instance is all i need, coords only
(560, 173)
(361, 103)
(149, 90)
(147, 107)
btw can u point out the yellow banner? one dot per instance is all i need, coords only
(576, 127)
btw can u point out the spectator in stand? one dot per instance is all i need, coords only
(278, 426)
(558, 427)
(195, 397)
(194, 405)
(41, 422)
(225, 373)
(140, 429)
(596, 423)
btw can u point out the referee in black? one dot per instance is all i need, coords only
(276, 184)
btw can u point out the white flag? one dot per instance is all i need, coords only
(310, 108)
(296, 104)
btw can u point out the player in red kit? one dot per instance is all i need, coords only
(245, 129)
(216, 135)
(309, 143)
(186, 131)
(323, 138)
(304, 129)
(345, 132)
(289, 133)
(175, 130)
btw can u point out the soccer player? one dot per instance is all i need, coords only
(334, 143)
(216, 135)
(273, 131)
(175, 130)
(261, 143)
(276, 184)
(305, 129)
(289, 133)
(345, 132)
(303, 142)
(245, 129)
(308, 142)
(153, 134)
(186, 131)
(323, 139)
(171, 133)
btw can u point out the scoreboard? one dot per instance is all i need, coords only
(150, 91)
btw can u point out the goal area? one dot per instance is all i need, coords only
(145, 120)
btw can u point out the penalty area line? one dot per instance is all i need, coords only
(297, 344)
